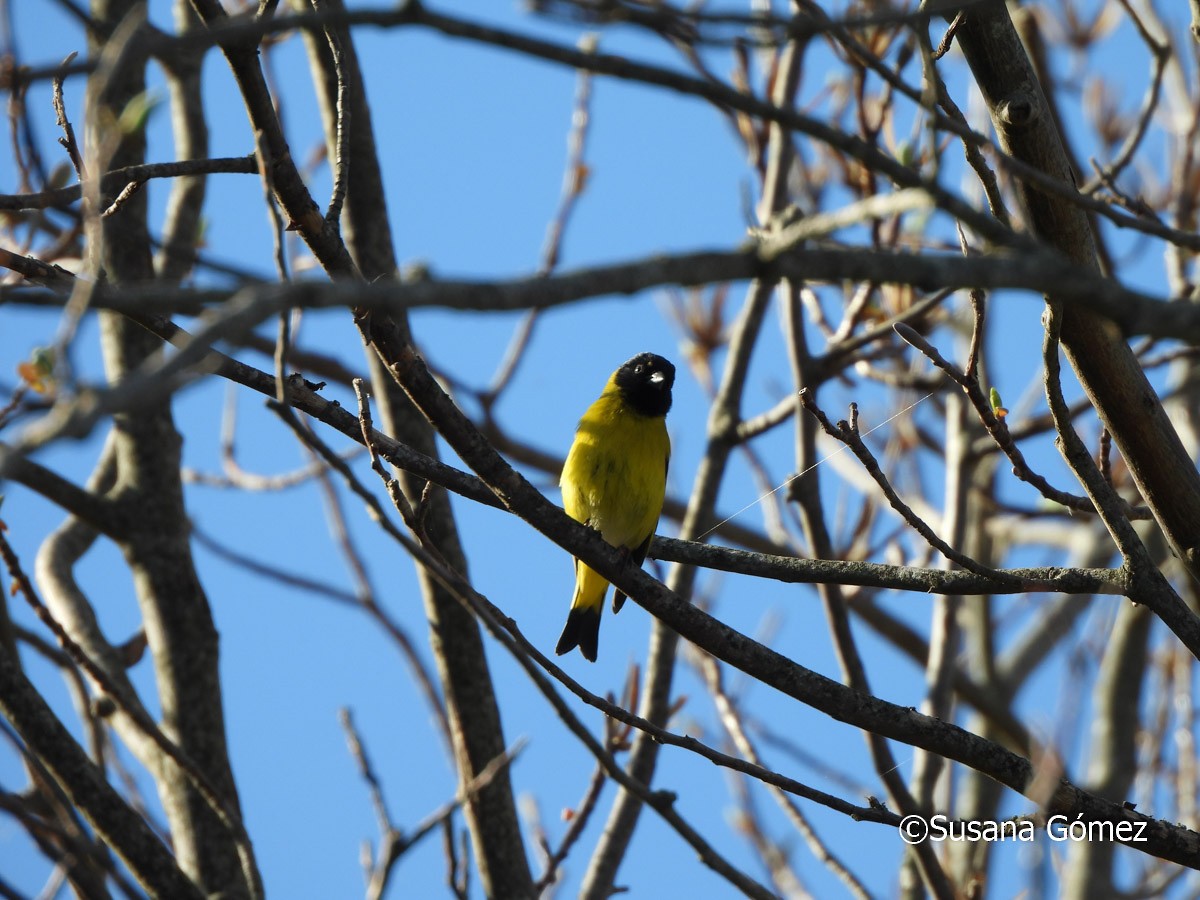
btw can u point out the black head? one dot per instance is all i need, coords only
(645, 384)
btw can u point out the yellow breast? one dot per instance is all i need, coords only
(615, 476)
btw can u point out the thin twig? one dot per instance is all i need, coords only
(121, 199)
(60, 114)
(998, 430)
(1161, 53)
(358, 751)
(575, 177)
(396, 843)
(341, 161)
(63, 197)
(284, 576)
(847, 433)
(581, 815)
(944, 44)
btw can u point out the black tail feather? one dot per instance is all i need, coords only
(583, 631)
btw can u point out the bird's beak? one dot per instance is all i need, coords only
(657, 378)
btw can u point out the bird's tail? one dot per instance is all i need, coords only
(583, 622)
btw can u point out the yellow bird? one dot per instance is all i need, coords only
(614, 481)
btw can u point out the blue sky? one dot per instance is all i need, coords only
(473, 141)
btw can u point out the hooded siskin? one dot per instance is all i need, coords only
(615, 479)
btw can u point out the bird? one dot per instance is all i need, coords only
(614, 481)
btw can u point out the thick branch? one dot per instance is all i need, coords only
(1127, 404)
(115, 822)
(1134, 312)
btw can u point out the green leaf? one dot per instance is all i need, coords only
(137, 111)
